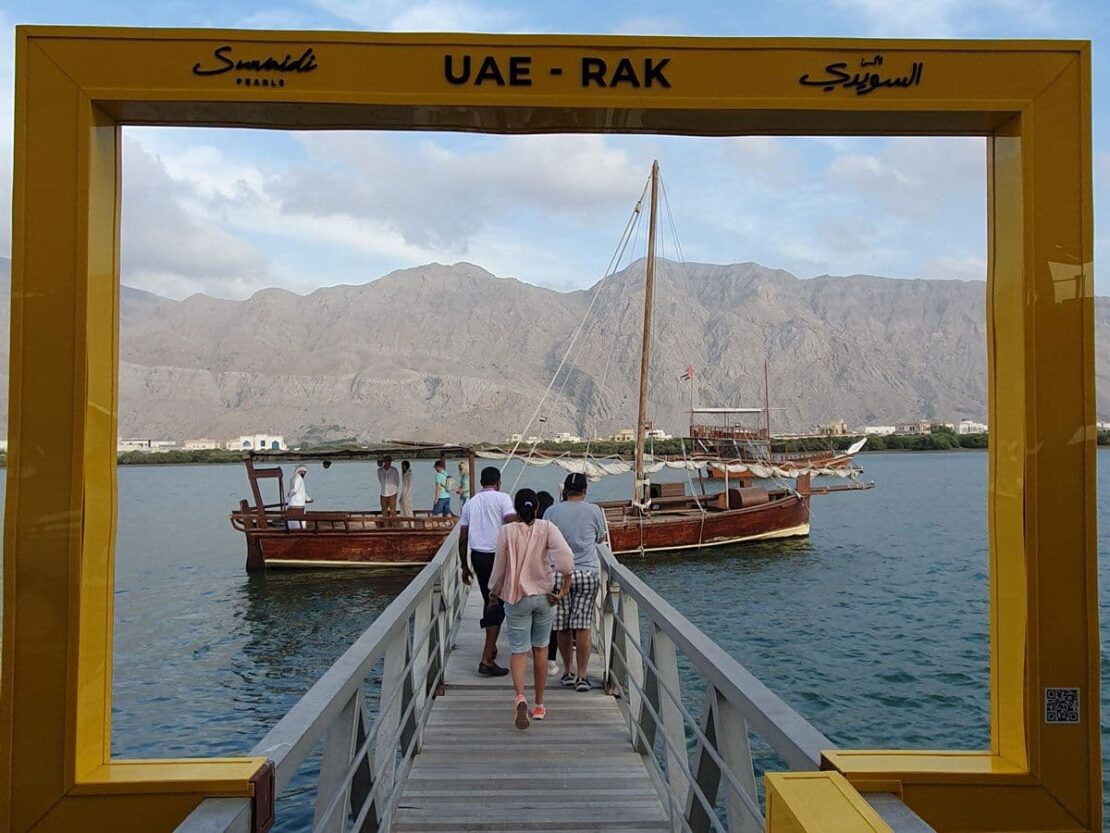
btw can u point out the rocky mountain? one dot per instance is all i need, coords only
(455, 353)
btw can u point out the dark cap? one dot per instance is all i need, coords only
(575, 482)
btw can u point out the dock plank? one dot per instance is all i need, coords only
(575, 770)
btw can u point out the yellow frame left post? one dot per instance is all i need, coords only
(55, 719)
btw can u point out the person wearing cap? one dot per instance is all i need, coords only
(389, 479)
(441, 503)
(479, 525)
(583, 526)
(296, 496)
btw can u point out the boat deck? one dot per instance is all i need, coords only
(576, 770)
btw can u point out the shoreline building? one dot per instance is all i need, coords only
(878, 430)
(145, 445)
(566, 437)
(970, 426)
(836, 428)
(203, 444)
(257, 442)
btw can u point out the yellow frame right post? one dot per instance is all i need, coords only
(76, 87)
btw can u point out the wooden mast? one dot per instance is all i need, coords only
(767, 404)
(639, 486)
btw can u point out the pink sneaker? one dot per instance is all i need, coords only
(521, 710)
(538, 712)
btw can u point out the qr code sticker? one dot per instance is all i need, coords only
(1061, 705)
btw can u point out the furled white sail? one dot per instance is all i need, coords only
(595, 468)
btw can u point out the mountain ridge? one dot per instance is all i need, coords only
(454, 352)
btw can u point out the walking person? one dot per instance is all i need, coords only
(390, 481)
(479, 525)
(441, 502)
(530, 551)
(546, 501)
(406, 489)
(463, 491)
(583, 526)
(296, 497)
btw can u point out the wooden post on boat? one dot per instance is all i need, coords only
(470, 464)
(255, 559)
(639, 487)
(767, 406)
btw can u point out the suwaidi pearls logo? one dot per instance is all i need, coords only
(255, 70)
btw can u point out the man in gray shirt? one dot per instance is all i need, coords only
(583, 526)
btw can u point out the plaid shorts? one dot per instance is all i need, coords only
(576, 609)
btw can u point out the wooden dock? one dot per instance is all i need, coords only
(576, 770)
(455, 761)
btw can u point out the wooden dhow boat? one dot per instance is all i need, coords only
(720, 432)
(278, 535)
(664, 516)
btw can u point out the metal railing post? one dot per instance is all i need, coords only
(340, 743)
(634, 665)
(735, 747)
(610, 604)
(418, 678)
(665, 657)
(388, 722)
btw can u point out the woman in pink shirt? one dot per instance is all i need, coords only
(524, 579)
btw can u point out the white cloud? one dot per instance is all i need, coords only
(437, 196)
(767, 159)
(914, 177)
(172, 250)
(422, 16)
(967, 268)
(651, 25)
(948, 18)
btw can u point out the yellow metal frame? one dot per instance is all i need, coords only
(76, 86)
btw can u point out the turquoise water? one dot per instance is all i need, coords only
(874, 629)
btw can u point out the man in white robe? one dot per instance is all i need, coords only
(296, 497)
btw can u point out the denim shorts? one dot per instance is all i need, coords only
(529, 623)
(442, 507)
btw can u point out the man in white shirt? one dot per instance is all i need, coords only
(390, 480)
(479, 525)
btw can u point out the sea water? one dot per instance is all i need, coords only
(874, 628)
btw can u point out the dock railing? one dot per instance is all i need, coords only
(702, 765)
(363, 765)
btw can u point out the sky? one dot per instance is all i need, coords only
(228, 212)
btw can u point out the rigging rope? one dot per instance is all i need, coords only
(617, 255)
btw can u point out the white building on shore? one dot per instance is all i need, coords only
(137, 444)
(257, 442)
(204, 444)
(878, 430)
(970, 426)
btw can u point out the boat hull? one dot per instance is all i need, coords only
(786, 517)
(384, 549)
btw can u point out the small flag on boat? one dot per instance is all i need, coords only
(688, 375)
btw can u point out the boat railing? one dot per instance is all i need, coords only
(272, 520)
(701, 763)
(363, 764)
